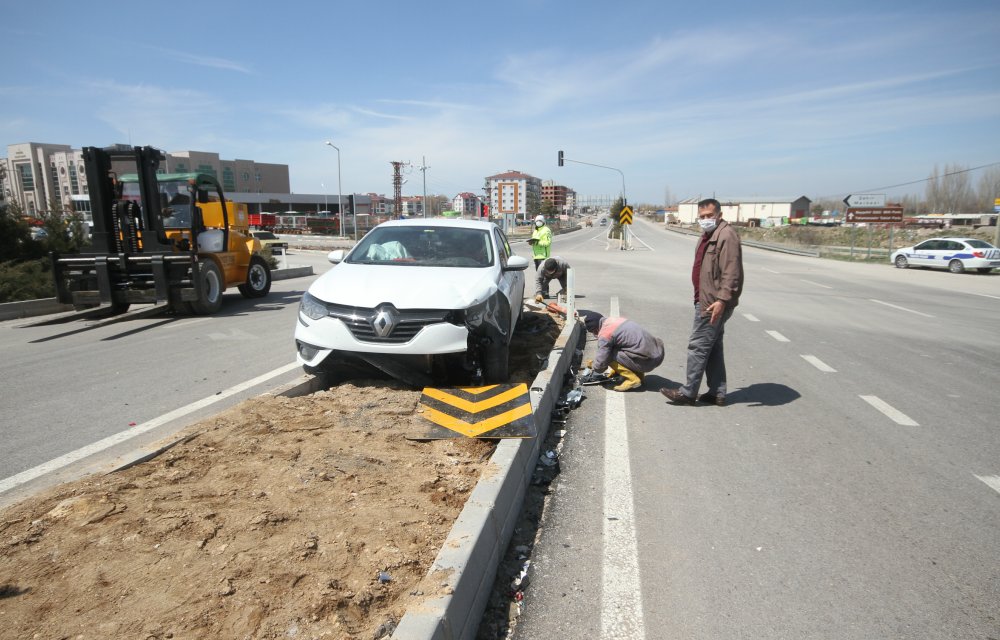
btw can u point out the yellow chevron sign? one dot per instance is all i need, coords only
(625, 217)
(495, 411)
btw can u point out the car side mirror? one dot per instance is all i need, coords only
(516, 263)
(335, 256)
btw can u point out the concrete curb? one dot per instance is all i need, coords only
(32, 308)
(47, 306)
(468, 559)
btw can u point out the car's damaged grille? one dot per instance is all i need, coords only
(385, 323)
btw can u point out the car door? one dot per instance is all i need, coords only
(923, 253)
(512, 281)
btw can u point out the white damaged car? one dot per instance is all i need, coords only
(422, 300)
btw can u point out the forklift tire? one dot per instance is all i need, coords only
(212, 286)
(258, 282)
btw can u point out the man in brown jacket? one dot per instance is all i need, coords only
(717, 276)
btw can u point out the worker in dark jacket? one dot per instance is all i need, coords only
(624, 347)
(552, 269)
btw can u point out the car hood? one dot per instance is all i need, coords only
(406, 287)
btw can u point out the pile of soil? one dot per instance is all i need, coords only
(309, 517)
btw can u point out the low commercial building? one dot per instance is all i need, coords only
(745, 210)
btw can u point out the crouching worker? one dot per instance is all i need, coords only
(624, 346)
(552, 269)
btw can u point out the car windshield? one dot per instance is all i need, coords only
(264, 235)
(424, 246)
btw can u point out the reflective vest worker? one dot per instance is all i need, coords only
(541, 241)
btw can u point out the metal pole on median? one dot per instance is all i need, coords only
(340, 203)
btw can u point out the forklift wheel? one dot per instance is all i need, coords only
(210, 299)
(258, 282)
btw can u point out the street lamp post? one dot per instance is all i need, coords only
(563, 158)
(340, 203)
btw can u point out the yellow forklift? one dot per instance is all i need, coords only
(171, 240)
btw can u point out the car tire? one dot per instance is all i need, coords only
(901, 262)
(956, 266)
(258, 282)
(496, 362)
(212, 286)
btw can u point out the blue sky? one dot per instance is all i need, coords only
(694, 99)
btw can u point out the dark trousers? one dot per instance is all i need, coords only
(705, 356)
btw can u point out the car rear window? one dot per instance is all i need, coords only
(979, 244)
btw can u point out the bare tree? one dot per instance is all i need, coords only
(989, 188)
(950, 191)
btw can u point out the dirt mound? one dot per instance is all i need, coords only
(282, 517)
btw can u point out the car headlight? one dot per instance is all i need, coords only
(312, 307)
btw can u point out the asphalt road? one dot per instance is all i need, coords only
(67, 387)
(849, 490)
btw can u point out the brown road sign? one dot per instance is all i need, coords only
(495, 411)
(874, 214)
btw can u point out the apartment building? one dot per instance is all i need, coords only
(467, 203)
(514, 193)
(561, 196)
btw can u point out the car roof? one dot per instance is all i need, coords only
(448, 223)
(948, 238)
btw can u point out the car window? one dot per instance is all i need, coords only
(503, 244)
(264, 235)
(929, 245)
(979, 244)
(430, 246)
(954, 246)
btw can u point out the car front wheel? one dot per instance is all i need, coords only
(956, 266)
(496, 362)
(901, 262)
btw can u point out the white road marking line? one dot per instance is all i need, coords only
(62, 461)
(816, 284)
(919, 313)
(819, 364)
(993, 482)
(777, 336)
(985, 295)
(890, 412)
(751, 317)
(770, 270)
(621, 590)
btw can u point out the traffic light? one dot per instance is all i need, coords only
(350, 204)
(560, 158)
(484, 210)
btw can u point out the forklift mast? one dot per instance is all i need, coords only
(123, 226)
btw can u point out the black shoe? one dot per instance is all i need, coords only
(675, 396)
(712, 398)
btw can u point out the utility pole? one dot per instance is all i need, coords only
(423, 169)
(397, 187)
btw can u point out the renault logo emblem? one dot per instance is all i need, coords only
(385, 321)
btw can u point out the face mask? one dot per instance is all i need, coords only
(539, 223)
(707, 224)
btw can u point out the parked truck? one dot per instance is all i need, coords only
(167, 239)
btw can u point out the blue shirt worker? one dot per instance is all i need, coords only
(553, 269)
(624, 347)
(540, 241)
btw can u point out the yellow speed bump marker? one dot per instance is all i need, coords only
(495, 411)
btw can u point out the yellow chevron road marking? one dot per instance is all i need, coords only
(474, 429)
(481, 405)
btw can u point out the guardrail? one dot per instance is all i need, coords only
(813, 251)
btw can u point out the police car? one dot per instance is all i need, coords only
(954, 254)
